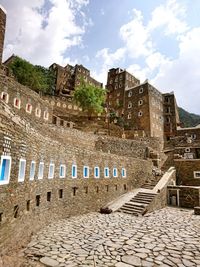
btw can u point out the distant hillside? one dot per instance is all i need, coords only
(189, 119)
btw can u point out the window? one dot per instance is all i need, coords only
(41, 170)
(129, 94)
(129, 116)
(106, 172)
(197, 174)
(86, 172)
(37, 200)
(28, 202)
(130, 105)
(62, 171)
(96, 172)
(28, 108)
(123, 173)
(111, 81)
(60, 193)
(120, 85)
(46, 115)
(116, 79)
(187, 149)
(17, 103)
(51, 170)
(16, 211)
(140, 102)
(116, 86)
(168, 110)
(4, 97)
(22, 168)
(193, 136)
(74, 171)
(32, 170)
(115, 172)
(5, 168)
(49, 196)
(141, 90)
(140, 114)
(38, 112)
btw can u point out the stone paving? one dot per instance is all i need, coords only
(169, 237)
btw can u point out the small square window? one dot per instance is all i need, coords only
(62, 171)
(106, 172)
(86, 172)
(116, 86)
(46, 115)
(38, 112)
(129, 116)
(130, 105)
(140, 114)
(96, 172)
(130, 94)
(140, 102)
(22, 169)
(197, 174)
(187, 149)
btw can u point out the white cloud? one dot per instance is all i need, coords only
(136, 36)
(43, 37)
(139, 73)
(171, 16)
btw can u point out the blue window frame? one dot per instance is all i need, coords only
(86, 172)
(123, 172)
(22, 170)
(106, 172)
(5, 168)
(96, 172)
(115, 172)
(62, 171)
(32, 170)
(74, 171)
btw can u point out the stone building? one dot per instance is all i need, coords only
(68, 77)
(141, 107)
(171, 115)
(2, 30)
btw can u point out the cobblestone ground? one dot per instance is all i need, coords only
(169, 237)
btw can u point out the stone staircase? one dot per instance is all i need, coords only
(137, 205)
(151, 183)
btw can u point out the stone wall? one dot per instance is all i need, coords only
(28, 205)
(185, 171)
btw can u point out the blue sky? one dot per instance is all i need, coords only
(154, 39)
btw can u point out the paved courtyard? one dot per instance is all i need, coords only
(169, 237)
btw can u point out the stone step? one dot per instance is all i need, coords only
(141, 201)
(146, 194)
(132, 206)
(131, 210)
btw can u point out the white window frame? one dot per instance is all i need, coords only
(106, 175)
(64, 171)
(129, 116)
(115, 175)
(7, 97)
(141, 90)
(88, 171)
(41, 175)
(96, 168)
(123, 173)
(130, 93)
(32, 170)
(74, 176)
(140, 102)
(140, 113)
(46, 115)
(19, 105)
(38, 112)
(31, 107)
(195, 174)
(7, 180)
(130, 105)
(116, 86)
(51, 171)
(22, 172)
(187, 149)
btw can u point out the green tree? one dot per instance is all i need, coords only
(90, 98)
(37, 78)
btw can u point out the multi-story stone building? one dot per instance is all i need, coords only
(68, 77)
(2, 29)
(141, 107)
(171, 115)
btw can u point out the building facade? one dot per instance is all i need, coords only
(2, 30)
(68, 77)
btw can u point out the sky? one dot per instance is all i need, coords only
(158, 40)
